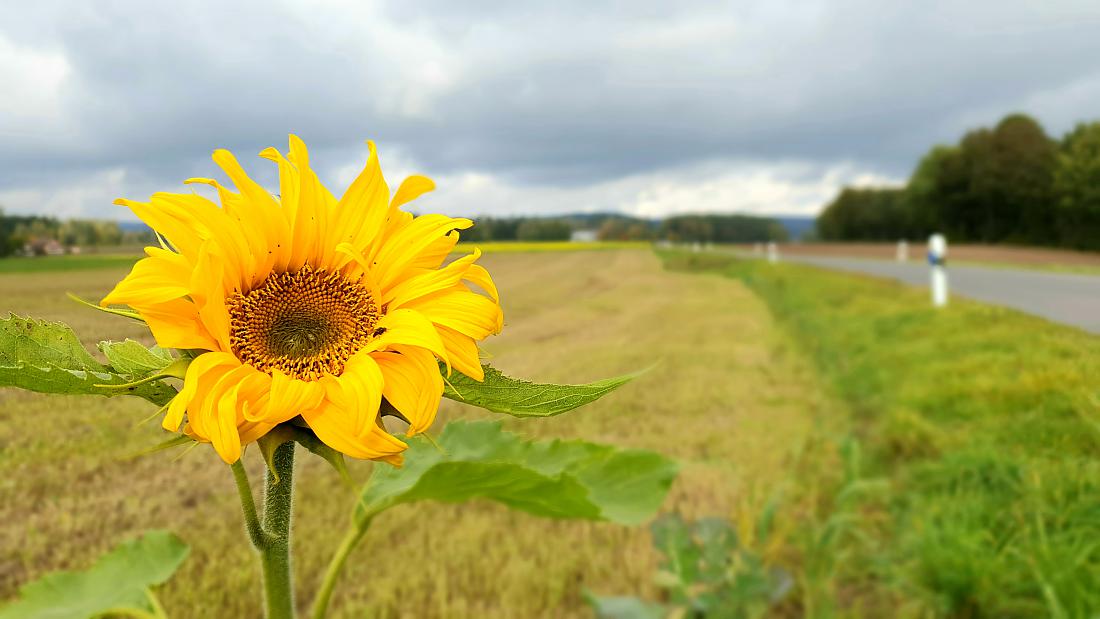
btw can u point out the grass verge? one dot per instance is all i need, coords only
(971, 478)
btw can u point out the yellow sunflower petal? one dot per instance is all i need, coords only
(406, 244)
(467, 312)
(336, 428)
(177, 324)
(290, 396)
(358, 390)
(428, 282)
(361, 212)
(409, 328)
(462, 351)
(413, 384)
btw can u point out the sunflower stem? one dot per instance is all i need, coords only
(248, 506)
(275, 550)
(335, 567)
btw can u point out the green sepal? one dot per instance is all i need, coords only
(306, 438)
(175, 441)
(270, 441)
(107, 310)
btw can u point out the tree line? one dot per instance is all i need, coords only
(1008, 184)
(615, 227)
(35, 234)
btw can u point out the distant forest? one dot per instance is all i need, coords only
(615, 227)
(37, 235)
(1007, 184)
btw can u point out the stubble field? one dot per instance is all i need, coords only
(731, 398)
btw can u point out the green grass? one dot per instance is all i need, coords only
(53, 264)
(976, 439)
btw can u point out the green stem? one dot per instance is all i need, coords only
(275, 550)
(335, 566)
(158, 610)
(248, 506)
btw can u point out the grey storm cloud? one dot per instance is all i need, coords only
(581, 95)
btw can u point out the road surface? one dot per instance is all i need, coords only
(1068, 298)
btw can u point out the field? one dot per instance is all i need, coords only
(920, 463)
(734, 409)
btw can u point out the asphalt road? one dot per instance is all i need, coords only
(1062, 297)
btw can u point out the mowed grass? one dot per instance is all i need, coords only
(973, 483)
(732, 399)
(70, 262)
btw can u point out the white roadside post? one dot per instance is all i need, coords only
(903, 251)
(937, 259)
(773, 252)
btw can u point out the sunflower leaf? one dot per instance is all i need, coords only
(118, 583)
(47, 357)
(520, 398)
(555, 479)
(624, 607)
(130, 357)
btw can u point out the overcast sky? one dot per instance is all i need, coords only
(649, 108)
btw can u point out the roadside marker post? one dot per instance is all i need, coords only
(902, 254)
(937, 261)
(773, 252)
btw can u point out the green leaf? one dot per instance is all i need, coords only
(48, 358)
(118, 583)
(521, 398)
(622, 607)
(130, 357)
(556, 479)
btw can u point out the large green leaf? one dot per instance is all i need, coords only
(118, 583)
(47, 357)
(557, 479)
(521, 398)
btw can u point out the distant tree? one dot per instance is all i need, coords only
(864, 214)
(924, 198)
(623, 229)
(1024, 172)
(1077, 188)
(544, 230)
(732, 228)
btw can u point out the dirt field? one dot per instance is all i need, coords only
(994, 254)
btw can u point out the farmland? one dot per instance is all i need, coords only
(919, 463)
(733, 409)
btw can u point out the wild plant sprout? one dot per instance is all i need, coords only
(301, 319)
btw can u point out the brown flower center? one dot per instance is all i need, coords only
(305, 324)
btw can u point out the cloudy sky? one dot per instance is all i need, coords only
(648, 108)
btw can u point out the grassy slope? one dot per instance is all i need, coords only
(732, 399)
(978, 493)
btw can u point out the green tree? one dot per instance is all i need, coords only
(864, 214)
(544, 230)
(1077, 187)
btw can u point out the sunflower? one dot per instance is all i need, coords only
(303, 305)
